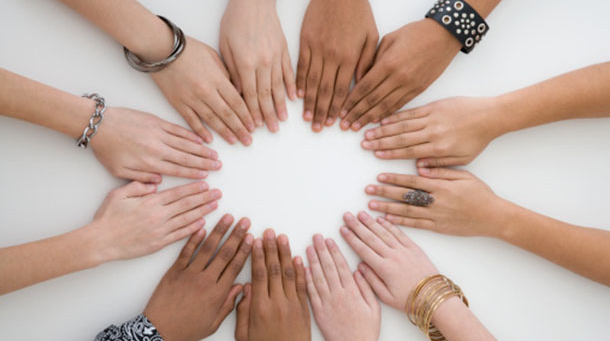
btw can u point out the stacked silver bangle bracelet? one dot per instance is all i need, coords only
(94, 122)
(179, 44)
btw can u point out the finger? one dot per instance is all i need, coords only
(365, 290)
(444, 173)
(375, 282)
(272, 260)
(288, 271)
(237, 264)
(395, 129)
(386, 107)
(227, 305)
(371, 81)
(189, 248)
(243, 314)
(317, 273)
(303, 68)
(187, 218)
(403, 210)
(184, 232)
(325, 92)
(218, 61)
(173, 169)
(279, 96)
(409, 114)
(364, 251)
(191, 161)
(442, 162)
(327, 263)
(381, 232)
(345, 274)
(371, 100)
(300, 281)
(408, 181)
(390, 192)
(288, 73)
(265, 100)
(135, 189)
(170, 195)
(408, 153)
(365, 234)
(396, 232)
(208, 248)
(219, 103)
(187, 146)
(179, 131)
(238, 106)
(140, 176)
(250, 94)
(396, 141)
(311, 87)
(229, 250)
(194, 121)
(367, 56)
(342, 84)
(385, 44)
(214, 121)
(190, 202)
(314, 297)
(260, 285)
(227, 55)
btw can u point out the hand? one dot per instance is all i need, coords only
(344, 306)
(254, 48)
(407, 62)
(193, 298)
(393, 264)
(338, 39)
(274, 307)
(463, 205)
(139, 146)
(449, 132)
(197, 85)
(134, 221)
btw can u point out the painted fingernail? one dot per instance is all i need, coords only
(370, 134)
(382, 177)
(370, 189)
(202, 174)
(317, 127)
(301, 93)
(248, 240)
(343, 113)
(356, 126)
(422, 163)
(367, 145)
(373, 205)
(308, 115)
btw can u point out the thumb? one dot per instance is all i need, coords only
(137, 189)
(243, 315)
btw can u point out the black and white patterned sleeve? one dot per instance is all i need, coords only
(136, 329)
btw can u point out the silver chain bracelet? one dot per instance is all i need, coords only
(94, 121)
(179, 44)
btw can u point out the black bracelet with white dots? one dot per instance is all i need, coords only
(461, 20)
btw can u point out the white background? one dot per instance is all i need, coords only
(299, 182)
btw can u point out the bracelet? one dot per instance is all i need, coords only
(461, 20)
(425, 298)
(94, 121)
(179, 44)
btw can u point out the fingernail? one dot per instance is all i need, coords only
(243, 225)
(343, 113)
(373, 205)
(301, 93)
(390, 217)
(298, 260)
(157, 179)
(258, 243)
(422, 163)
(317, 238)
(424, 170)
(217, 164)
(345, 124)
(283, 115)
(213, 205)
(227, 219)
(201, 230)
(248, 239)
(258, 122)
(203, 186)
(232, 139)
(367, 145)
(380, 153)
(208, 139)
(317, 127)
(199, 140)
(385, 121)
(382, 177)
(370, 135)
(213, 154)
(370, 189)
(330, 242)
(362, 268)
(250, 127)
(356, 126)
(217, 194)
(282, 239)
(269, 234)
(329, 122)
(308, 115)
(344, 231)
(202, 174)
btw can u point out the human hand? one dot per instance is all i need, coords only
(448, 132)
(193, 298)
(254, 48)
(463, 205)
(393, 264)
(344, 306)
(408, 60)
(197, 85)
(134, 221)
(139, 146)
(338, 39)
(274, 307)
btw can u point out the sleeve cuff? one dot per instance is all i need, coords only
(137, 329)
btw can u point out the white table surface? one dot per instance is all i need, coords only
(299, 182)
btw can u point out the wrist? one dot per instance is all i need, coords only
(80, 111)
(508, 113)
(448, 310)
(155, 41)
(94, 246)
(506, 221)
(440, 36)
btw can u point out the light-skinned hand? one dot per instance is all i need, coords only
(344, 305)
(194, 297)
(254, 49)
(338, 40)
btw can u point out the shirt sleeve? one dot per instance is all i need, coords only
(137, 329)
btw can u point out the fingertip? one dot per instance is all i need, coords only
(301, 93)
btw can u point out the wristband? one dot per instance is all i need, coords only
(461, 20)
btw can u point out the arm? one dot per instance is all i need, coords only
(407, 61)
(122, 228)
(196, 83)
(393, 265)
(454, 131)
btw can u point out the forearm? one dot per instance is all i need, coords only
(483, 7)
(130, 24)
(457, 322)
(28, 100)
(579, 249)
(27, 264)
(578, 94)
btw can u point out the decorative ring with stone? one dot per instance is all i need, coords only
(418, 198)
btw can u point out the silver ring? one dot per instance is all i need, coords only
(418, 198)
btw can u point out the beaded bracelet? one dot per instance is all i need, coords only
(461, 20)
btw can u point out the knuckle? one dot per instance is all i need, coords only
(206, 248)
(331, 52)
(324, 90)
(371, 99)
(259, 273)
(340, 91)
(313, 77)
(250, 94)
(227, 254)
(289, 273)
(236, 268)
(264, 93)
(275, 270)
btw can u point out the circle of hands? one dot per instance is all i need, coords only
(245, 88)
